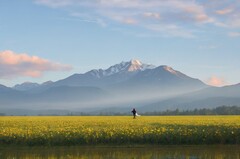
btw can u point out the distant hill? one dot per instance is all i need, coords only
(206, 98)
(62, 97)
(28, 86)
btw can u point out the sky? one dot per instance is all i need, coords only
(43, 40)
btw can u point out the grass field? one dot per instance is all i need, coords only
(120, 130)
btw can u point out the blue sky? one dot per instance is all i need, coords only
(43, 40)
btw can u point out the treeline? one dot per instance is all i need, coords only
(222, 110)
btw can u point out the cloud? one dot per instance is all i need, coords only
(188, 15)
(216, 81)
(55, 3)
(224, 11)
(234, 34)
(82, 17)
(15, 65)
(152, 15)
(129, 21)
(235, 22)
(171, 31)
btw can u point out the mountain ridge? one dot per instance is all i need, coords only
(117, 74)
(120, 86)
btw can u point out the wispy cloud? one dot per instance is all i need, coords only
(207, 47)
(216, 81)
(171, 30)
(153, 15)
(158, 15)
(55, 3)
(234, 34)
(83, 17)
(224, 11)
(15, 65)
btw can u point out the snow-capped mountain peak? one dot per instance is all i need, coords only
(136, 62)
(170, 69)
(131, 66)
(134, 65)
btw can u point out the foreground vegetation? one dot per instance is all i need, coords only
(100, 130)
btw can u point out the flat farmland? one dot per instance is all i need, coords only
(119, 130)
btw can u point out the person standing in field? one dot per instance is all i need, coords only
(134, 113)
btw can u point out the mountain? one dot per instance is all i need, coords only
(9, 96)
(62, 97)
(26, 86)
(134, 76)
(122, 68)
(119, 87)
(162, 79)
(100, 78)
(68, 97)
(131, 82)
(4, 89)
(206, 98)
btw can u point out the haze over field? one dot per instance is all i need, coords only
(66, 55)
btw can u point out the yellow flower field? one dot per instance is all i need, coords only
(119, 130)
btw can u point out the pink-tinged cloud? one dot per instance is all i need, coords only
(224, 11)
(216, 81)
(145, 14)
(15, 65)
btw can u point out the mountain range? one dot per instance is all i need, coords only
(117, 89)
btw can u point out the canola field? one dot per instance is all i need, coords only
(119, 130)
